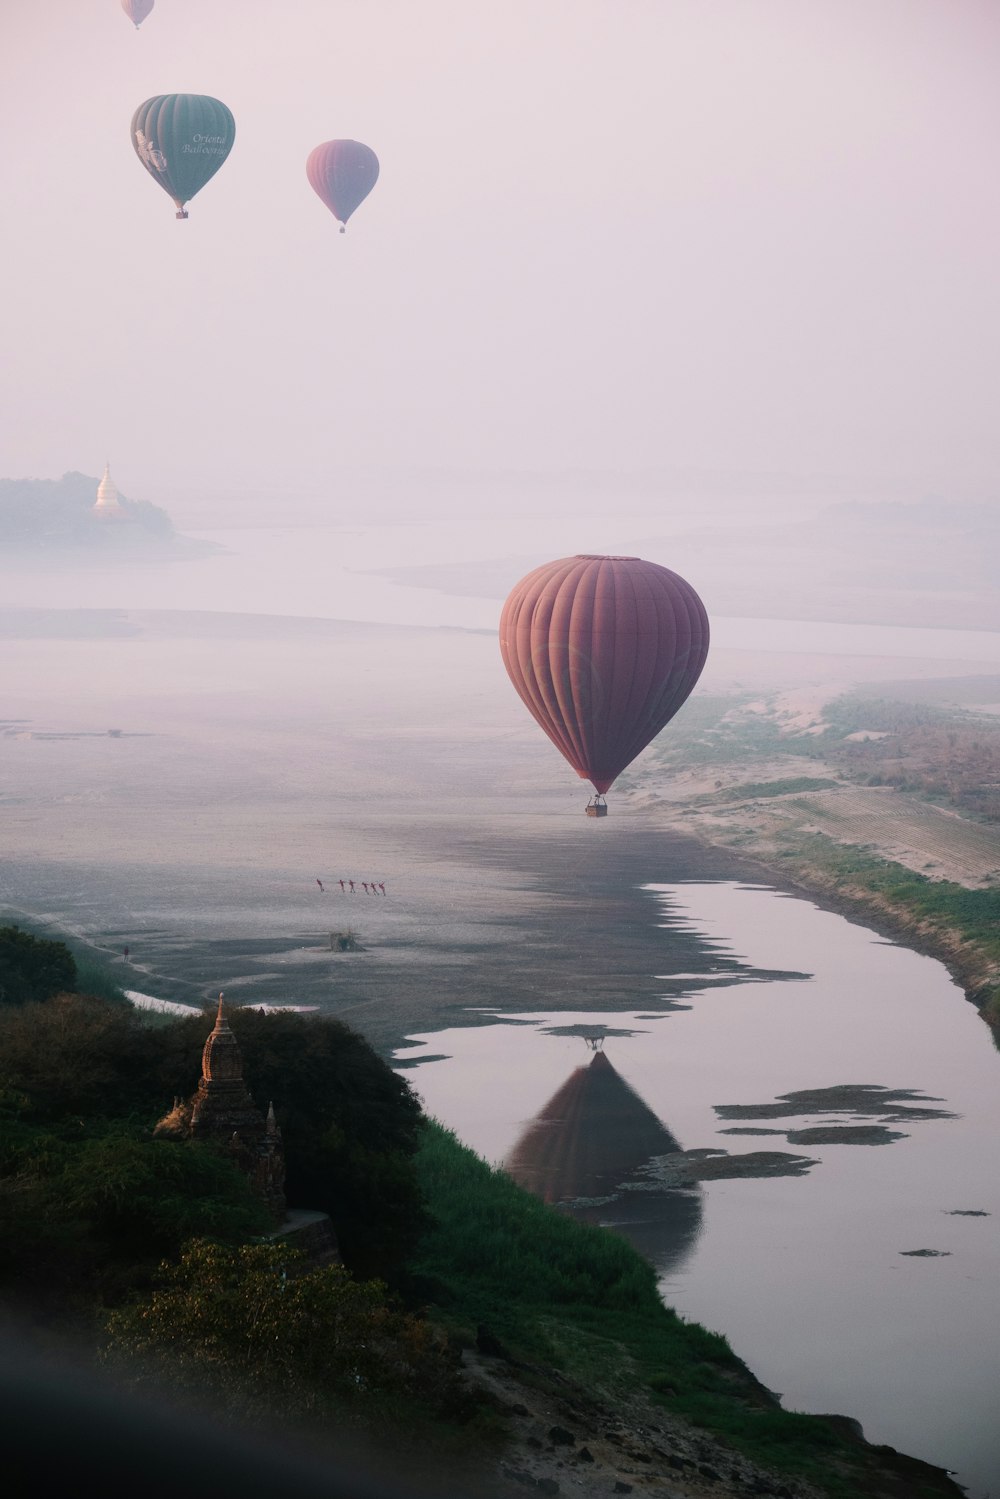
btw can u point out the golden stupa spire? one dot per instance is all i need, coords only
(108, 502)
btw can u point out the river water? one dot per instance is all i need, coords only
(812, 1277)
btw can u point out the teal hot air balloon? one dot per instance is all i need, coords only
(182, 140)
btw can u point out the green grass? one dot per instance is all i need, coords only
(784, 787)
(586, 1303)
(973, 914)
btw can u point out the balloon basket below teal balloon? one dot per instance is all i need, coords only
(343, 228)
(598, 807)
(182, 214)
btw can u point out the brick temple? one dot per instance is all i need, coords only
(223, 1113)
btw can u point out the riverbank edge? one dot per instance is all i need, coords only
(790, 869)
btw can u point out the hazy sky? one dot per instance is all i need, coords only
(745, 236)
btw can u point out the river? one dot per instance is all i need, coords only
(371, 572)
(813, 1278)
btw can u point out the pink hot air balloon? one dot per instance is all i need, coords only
(137, 10)
(603, 651)
(343, 173)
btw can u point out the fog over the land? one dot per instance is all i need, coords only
(746, 247)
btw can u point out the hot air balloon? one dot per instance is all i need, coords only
(137, 10)
(343, 173)
(603, 651)
(182, 140)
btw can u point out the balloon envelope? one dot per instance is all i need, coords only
(603, 651)
(343, 173)
(182, 140)
(137, 10)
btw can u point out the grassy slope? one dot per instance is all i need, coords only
(585, 1302)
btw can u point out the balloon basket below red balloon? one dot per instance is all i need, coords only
(597, 808)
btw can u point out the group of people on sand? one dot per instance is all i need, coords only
(349, 887)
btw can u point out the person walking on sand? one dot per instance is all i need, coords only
(351, 883)
(320, 884)
(341, 887)
(365, 886)
(381, 886)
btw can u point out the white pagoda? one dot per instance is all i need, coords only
(108, 505)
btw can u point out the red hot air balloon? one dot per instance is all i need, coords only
(603, 651)
(137, 10)
(182, 140)
(343, 173)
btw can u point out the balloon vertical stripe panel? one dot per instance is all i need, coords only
(603, 651)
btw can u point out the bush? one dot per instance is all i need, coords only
(32, 968)
(268, 1337)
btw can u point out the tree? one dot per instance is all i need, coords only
(32, 968)
(267, 1336)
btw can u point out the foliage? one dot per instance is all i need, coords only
(722, 731)
(86, 1210)
(499, 1244)
(97, 971)
(786, 787)
(80, 1055)
(854, 712)
(32, 968)
(951, 756)
(973, 914)
(95, 976)
(269, 1337)
(350, 1124)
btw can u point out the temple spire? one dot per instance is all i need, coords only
(108, 504)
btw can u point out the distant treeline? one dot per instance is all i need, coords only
(59, 512)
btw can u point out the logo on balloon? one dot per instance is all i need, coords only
(149, 155)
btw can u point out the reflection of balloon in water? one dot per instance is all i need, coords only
(182, 140)
(343, 173)
(137, 10)
(603, 651)
(588, 1142)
